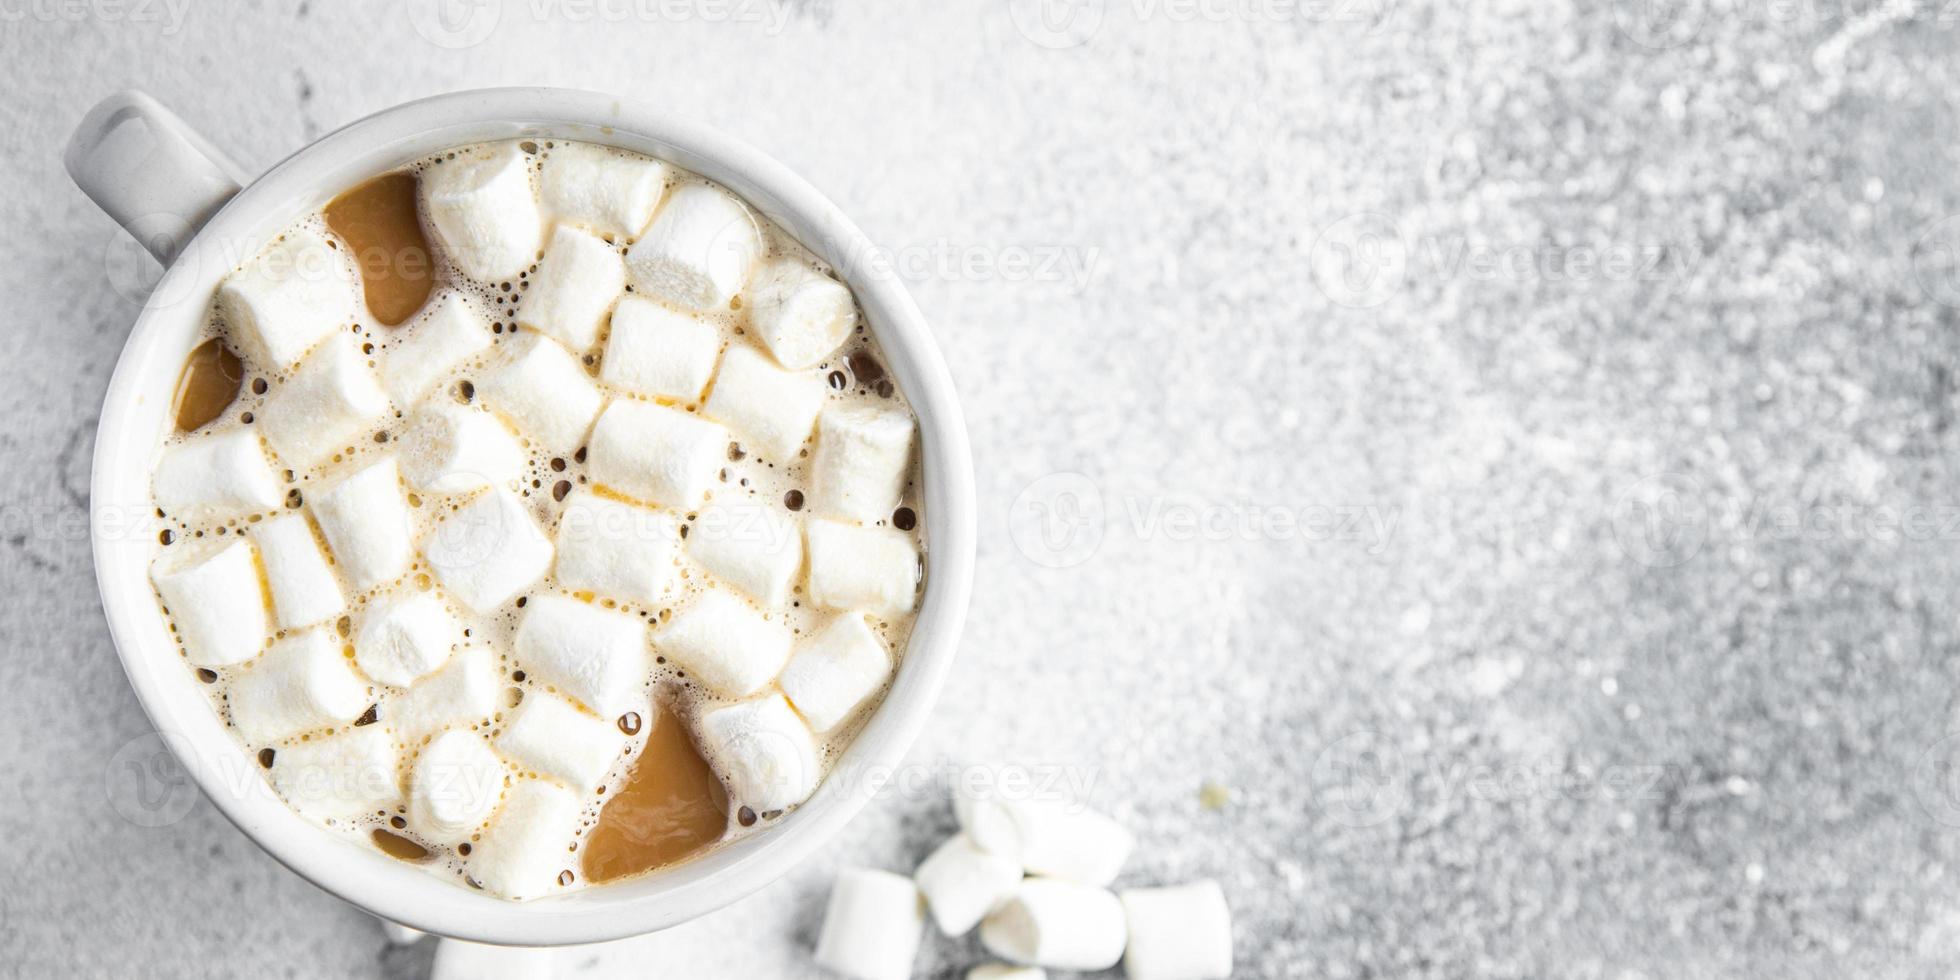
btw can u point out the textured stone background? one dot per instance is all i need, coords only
(1506, 445)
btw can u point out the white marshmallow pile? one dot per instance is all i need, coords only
(1034, 876)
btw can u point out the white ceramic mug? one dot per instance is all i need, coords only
(180, 197)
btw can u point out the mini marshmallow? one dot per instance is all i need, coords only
(304, 590)
(616, 549)
(763, 753)
(1004, 971)
(871, 927)
(698, 251)
(287, 299)
(327, 405)
(458, 960)
(1049, 837)
(576, 283)
(875, 569)
(451, 448)
(488, 551)
(656, 454)
(799, 314)
(432, 346)
(402, 639)
(833, 672)
(528, 842)
(754, 547)
(216, 476)
(339, 777)
(963, 883)
(365, 521)
(723, 642)
(660, 352)
(1057, 924)
(303, 683)
(214, 599)
(1180, 933)
(608, 192)
(595, 656)
(483, 212)
(454, 787)
(463, 693)
(772, 409)
(554, 738)
(544, 392)
(860, 464)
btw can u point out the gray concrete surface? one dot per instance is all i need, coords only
(1507, 447)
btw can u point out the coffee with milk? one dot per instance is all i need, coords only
(541, 514)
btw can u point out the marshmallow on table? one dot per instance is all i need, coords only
(875, 569)
(455, 786)
(859, 467)
(725, 644)
(365, 521)
(304, 590)
(834, 671)
(754, 547)
(763, 753)
(1049, 837)
(595, 656)
(576, 283)
(799, 314)
(963, 883)
(1179, 933)
(216, 476)
(528, 842)
(483, 212)
(214, 599)
(657, 454)
(554, 738)
(432, 346)
(616, 549)
(544, 392)
(772, 409)
(402, 639)
(284, 301)
(1057, 924)
(488, 551)
(458, 960)
(327, 405)
(303, 683)
(339, 777)
(657, 351)
(451, 448)
(464, 692)
(871, 927)
(608, 192)
(698, 251)
(1005, 971)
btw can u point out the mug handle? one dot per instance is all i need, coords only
(149, 170)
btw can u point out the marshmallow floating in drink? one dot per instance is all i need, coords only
(725, 644)
(575, 286)
(304, 590)
(595, 656)
(834, 671)
(339, 777)
(463, 693)
(1178, 933)
(870, 568)
(215, 602)
(488, 551)
(1057, 924)
(871, 927)
(962, 883)
(332, 401)
(431, 347)
(405, 638)
(364, 518)
(754, 547)
(616, 549)
(288, 299)
(859, 467)
(799, 314)
(527, 844)
(455, 786)
(544, 392)
(771, 409)
(451, 448)
(610, 193)
(659, 352)
(698, 251)
(303, 683)
(552, 737)
(656, 454)
(762, 751)
(216, 476)
(483, 212)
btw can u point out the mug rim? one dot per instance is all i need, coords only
(220, 764)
